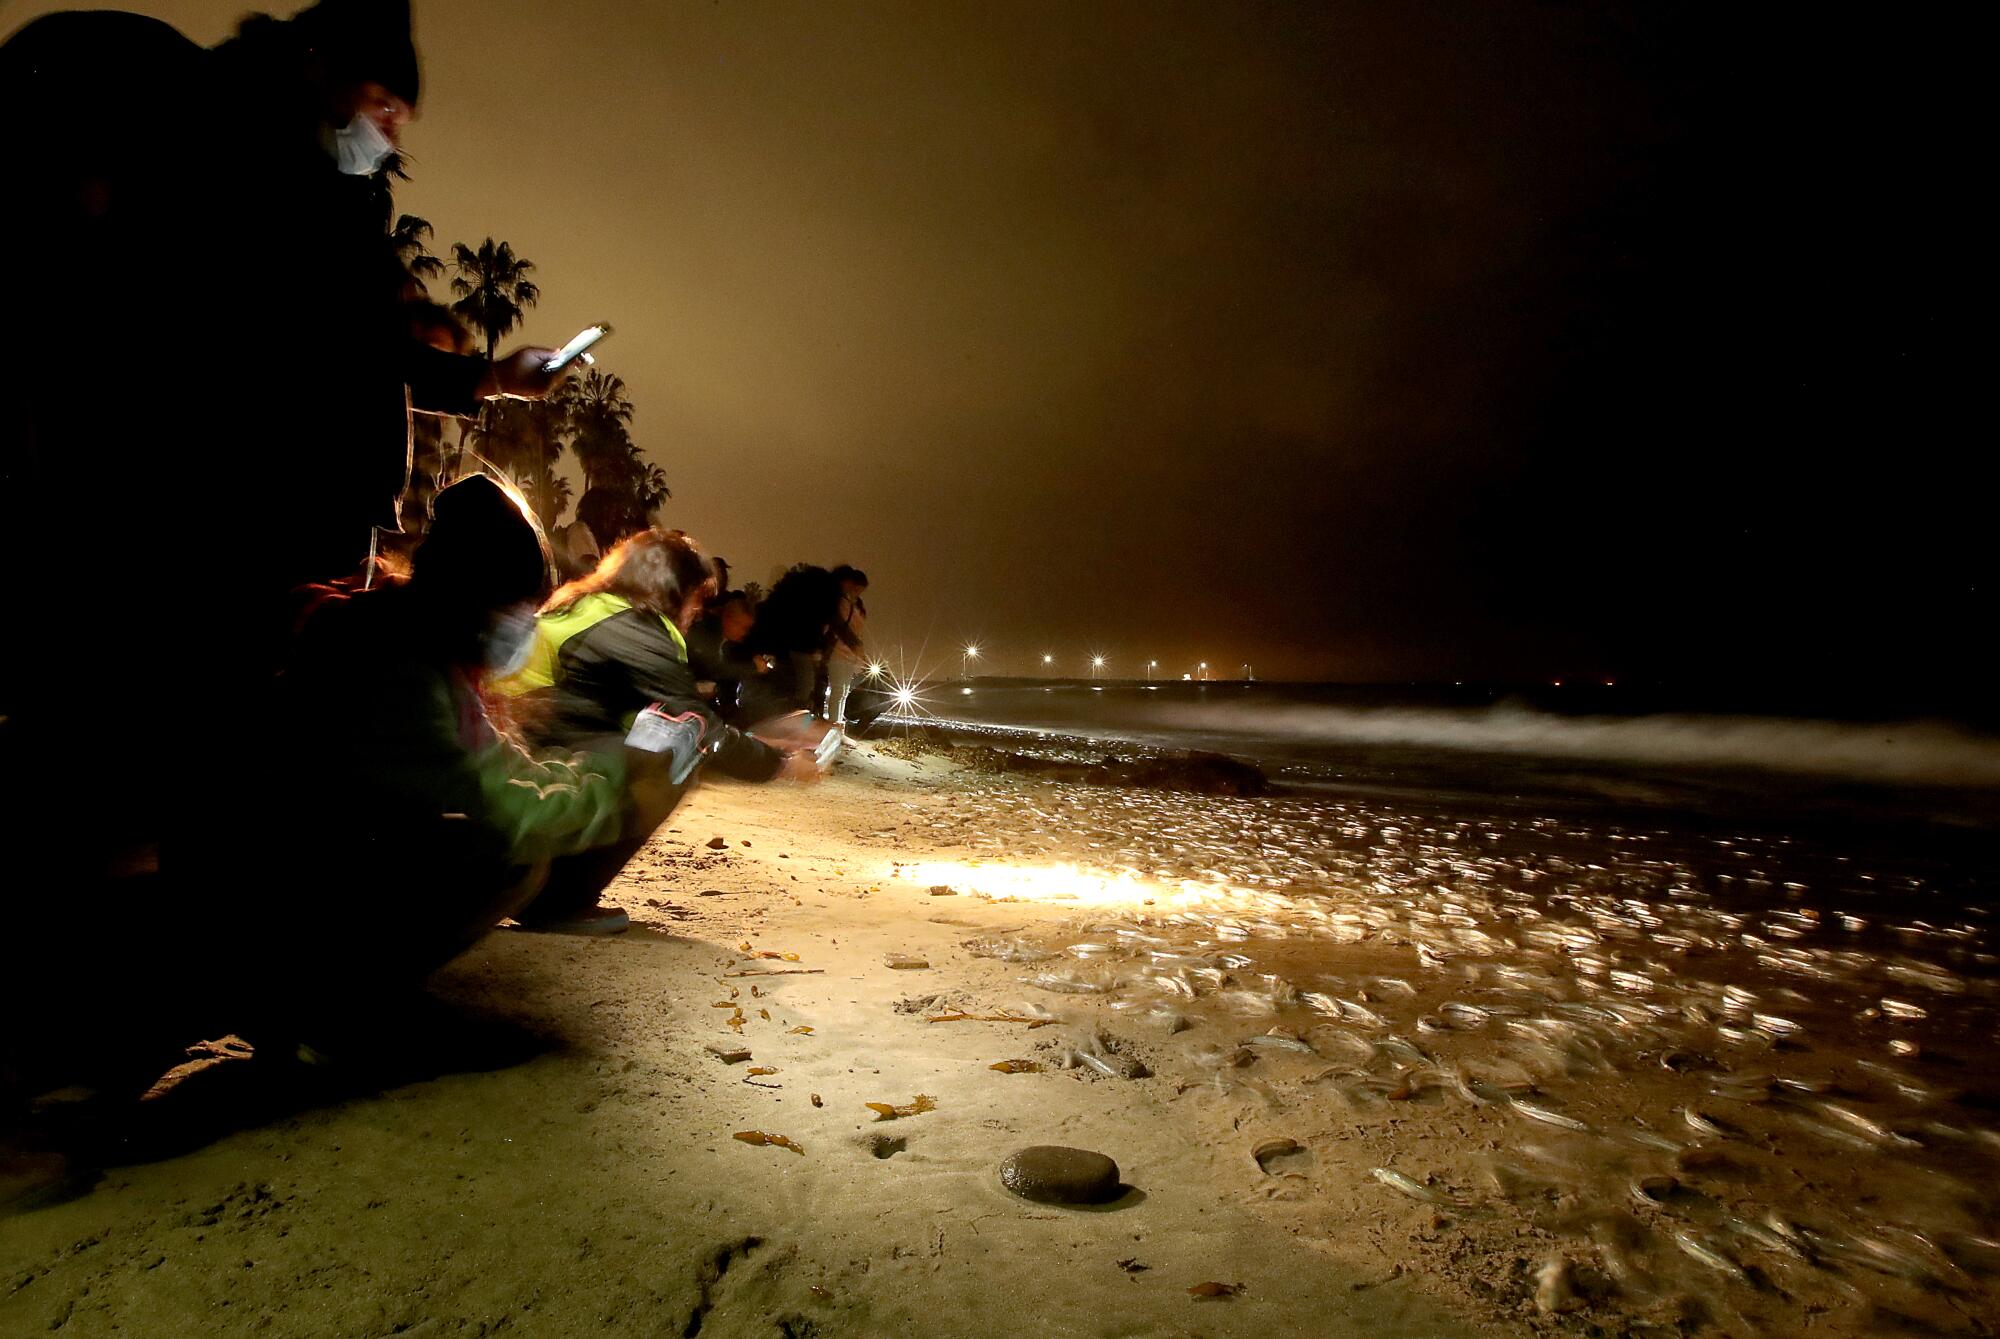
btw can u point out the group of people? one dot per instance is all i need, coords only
(245, 785)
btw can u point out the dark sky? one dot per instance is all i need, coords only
(1353, 341)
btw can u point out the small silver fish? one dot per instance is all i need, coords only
(1467, 1016)
(1771, 1025)
(1360, 1013)
(1699, 1249)
(1708, 1126)
(1476, 1091)
(1407, 1185)
(1404, 1051)
(1872, 1130)
(1548, 1116)
(1064, 985)
(1762, 1236)
(1278, 1041)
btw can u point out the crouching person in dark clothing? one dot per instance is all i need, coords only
(399, 824)
(610, 653)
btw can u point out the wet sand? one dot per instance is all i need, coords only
(1407, 1015)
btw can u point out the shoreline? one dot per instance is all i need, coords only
(598, 1177)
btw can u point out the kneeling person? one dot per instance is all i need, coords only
(608, 648)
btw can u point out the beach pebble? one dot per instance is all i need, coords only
(716, 843)
(728, 1055)
(1051, 1174)
(906, 962)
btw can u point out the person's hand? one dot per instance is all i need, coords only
(801, 767)
(519, 376)
(791, 732)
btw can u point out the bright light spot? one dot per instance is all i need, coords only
(1097, 662)
(1096, 689)
(972, 650)
(1055, 883)
(905, 697)
(965, 692)
(1048, 660)
(876, 670)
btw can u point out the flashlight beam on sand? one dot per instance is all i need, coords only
(1076, 885)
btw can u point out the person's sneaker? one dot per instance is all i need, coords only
(592, 921)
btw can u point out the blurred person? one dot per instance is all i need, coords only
(226, 202)
(577, 552)
(793, 627)
(383, 829)
(427, 825)
(607, 648)
(311, 108)
(715, 652)
(846, 655)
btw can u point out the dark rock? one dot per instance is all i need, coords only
(1050, 1174)
(716, 843)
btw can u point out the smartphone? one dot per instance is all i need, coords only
(829, 746)
(577, 348)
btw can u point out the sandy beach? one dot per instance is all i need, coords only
(563, 1158)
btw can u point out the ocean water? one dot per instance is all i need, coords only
(1585, 748)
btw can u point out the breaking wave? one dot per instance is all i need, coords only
(1919, 752)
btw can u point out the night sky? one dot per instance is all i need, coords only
(1384, 341)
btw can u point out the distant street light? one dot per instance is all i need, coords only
(1048, 660)
(1151, 665)
(1096, 664)
(965, 661)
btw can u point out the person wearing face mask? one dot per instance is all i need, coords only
(205, 288)
(425, 824)
(611, 648)
(243, 182)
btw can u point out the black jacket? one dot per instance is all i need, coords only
(611, 669)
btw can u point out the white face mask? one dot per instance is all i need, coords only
(360, 148)
(510, 642)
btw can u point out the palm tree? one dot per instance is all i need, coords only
(650, 483)
(597, 415)
(493, 288)
(409, 238)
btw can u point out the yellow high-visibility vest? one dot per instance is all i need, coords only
(553, 629)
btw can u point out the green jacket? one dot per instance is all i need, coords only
(393, 738)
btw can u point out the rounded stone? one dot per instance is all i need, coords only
(1051, 1174)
